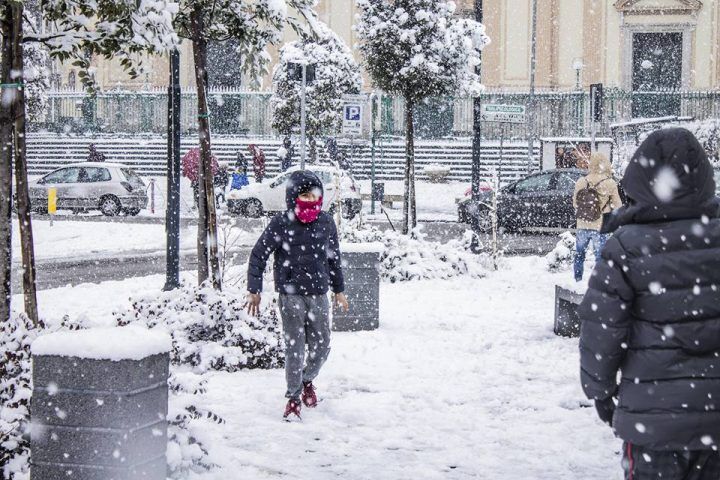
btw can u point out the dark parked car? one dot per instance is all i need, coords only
(540, 200)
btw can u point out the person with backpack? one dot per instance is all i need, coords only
(595, 194)
(307, 263)
(652, 314)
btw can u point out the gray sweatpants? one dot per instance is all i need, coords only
(306, 319)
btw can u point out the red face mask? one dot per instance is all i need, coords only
(307, 212)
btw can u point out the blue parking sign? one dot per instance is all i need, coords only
(352, 113)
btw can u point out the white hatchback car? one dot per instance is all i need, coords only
(258, 199)
(112, 188)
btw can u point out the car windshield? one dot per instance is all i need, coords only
(133, 178)
(566, 181)
(64, 175)
(279, 181)
(537, 183)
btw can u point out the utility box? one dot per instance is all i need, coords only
(361, 263)
(99, 405)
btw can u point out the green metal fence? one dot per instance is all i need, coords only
(250, 113)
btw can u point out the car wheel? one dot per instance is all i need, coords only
(110, 206)
(235, 208)
(253, 208)
(481, 222)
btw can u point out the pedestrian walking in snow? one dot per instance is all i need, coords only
(258, 162)
(652, 312)
(595, 194)
(306, 252)
(287, 153)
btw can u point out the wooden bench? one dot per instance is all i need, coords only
(567, 321)
(387, 200)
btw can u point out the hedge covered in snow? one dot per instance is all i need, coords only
(210, 330)
(412, 257)
(16, 336)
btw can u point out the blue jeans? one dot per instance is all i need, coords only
(582, 242)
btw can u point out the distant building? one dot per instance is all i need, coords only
(631, 44)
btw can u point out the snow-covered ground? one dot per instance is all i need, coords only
(464, 379)
(71, 239)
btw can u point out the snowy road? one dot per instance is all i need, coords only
(85, 249)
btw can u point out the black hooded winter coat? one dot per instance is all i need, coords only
(307, 256)
(652, 310)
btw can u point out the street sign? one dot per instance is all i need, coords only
(352, 118)
(295, 72)
(503, 113)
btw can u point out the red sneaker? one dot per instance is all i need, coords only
(292, 407)
(309, 397)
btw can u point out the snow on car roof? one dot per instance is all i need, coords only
(96, 164)
(328, 168)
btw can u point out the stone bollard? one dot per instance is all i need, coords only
(567, 322)
(99, 405)
(362, 287)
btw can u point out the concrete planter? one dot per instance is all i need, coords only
(567, 322)
(362, 288)
(100, 418)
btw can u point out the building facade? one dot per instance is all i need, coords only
(630, 44)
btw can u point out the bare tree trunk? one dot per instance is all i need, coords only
(21, 182)
(409, 196)
(7, 93)
(208, 261)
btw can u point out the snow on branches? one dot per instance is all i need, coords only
(121, 29)
(210, 329)
(419, 48)
(255, 24)
(336, 74)
(16, 335)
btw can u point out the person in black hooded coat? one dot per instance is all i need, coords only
(307, 263)
(652, 313)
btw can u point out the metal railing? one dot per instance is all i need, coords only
(250, 113)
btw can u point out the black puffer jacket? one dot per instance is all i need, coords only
(307, 256)
(652, 311)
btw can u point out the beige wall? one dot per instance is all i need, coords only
(592, 30)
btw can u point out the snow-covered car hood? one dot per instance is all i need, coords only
(248, 191)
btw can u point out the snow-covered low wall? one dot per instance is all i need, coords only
(99, 405)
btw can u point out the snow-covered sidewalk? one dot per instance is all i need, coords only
(464, 379)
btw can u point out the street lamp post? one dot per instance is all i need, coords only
(172, 211)
(531, 97)
(578, 67)
(477, 123)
